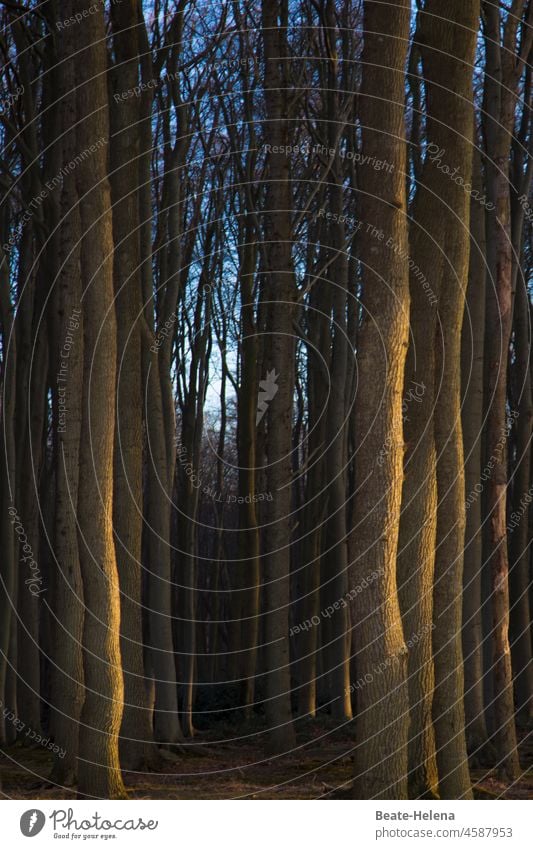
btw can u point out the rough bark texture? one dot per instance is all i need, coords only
(448, 47)
(249, 549)
(418, 527)
(520, 541)
(382, 700)
(167, 728)
(336, 554)
(472, 352)
(99, 768)
(280, 298)
(29, 602)
(7, 470)
(502, 74)
(314, 510)
(137, 744)
(67, 601)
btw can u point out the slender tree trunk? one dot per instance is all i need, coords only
(336, 556)
(30, 595)
(382, 700)
(520, 621)
(249, 550)
(167, 728)
(448, 48)
(186, 567)
(418, 525)
(501, 81)
(7, 467)
(137, 745)
(67, 601)
(520, 374)
(499, 319)
(472, 354)
(160, 415)
(418, 528)
(307, 628)
(99, 767)
(280, 363)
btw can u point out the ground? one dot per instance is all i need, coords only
(221, 763)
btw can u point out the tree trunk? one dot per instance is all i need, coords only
(167, 730)
(249, 550)
(99, 767)
(336, 554)
(520, 542)
(448, 48)
(280, 297)
(472, 354)
(308, 622)
(9, 510)
(67, 601)
(137, 745)
(382, 700)
(501, 80)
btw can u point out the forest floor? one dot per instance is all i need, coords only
(222, 763)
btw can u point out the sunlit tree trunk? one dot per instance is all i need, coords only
(99, 767)
(472, 353)
(382, 700)
(7, 467)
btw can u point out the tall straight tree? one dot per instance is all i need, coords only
(7, 482)
(504, 30)
(441, 251)
(521, 397)
(280, 299)
(382, 704)
(246, 438)
(160, 409)
(37, 272)
(520, 624)
(336, 553)
(472, 352)
(99, 767)
(67, 600)
(137, 745)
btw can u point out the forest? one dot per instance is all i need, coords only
(266, 399)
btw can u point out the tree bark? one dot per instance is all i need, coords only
(472, 358)
(99, 767)
(137, 747)
(7, 470)
(448, 48)
(518, 525)
(382, 700)
(249, 548)
(503, 70)
(280, 298)
(67, 602)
